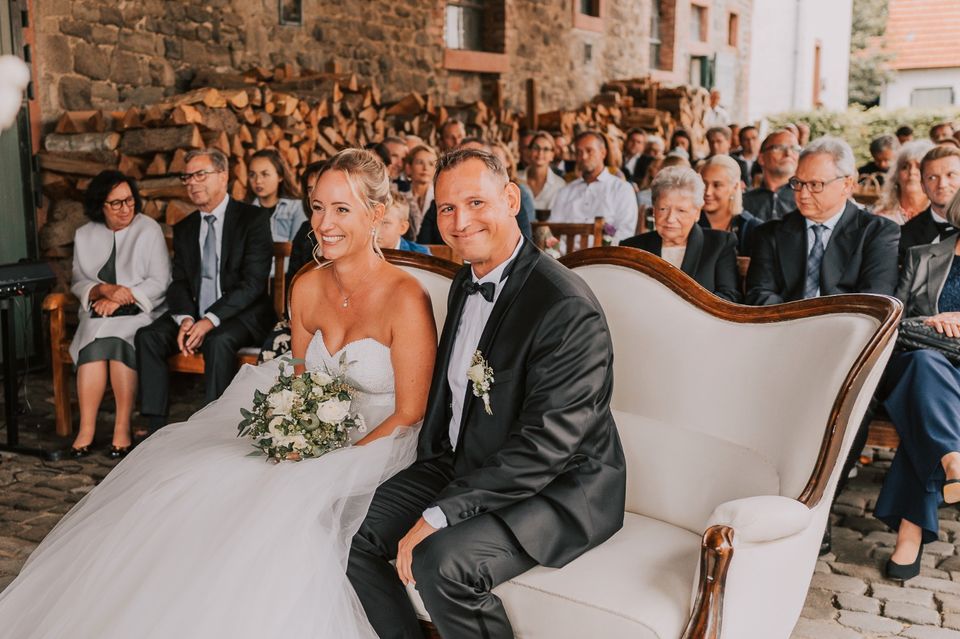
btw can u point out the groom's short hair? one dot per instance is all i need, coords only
(458, 157)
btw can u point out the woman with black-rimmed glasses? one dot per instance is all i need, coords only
(121, 270)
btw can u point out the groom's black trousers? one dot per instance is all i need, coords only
(455, 568)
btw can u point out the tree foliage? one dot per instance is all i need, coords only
(868, 60)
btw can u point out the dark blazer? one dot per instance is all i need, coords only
(743, 225)
(246, 254)
(767, 205)
(923, 275)
(919, 230)
(710, 258)
(548, 462)
(861, 257)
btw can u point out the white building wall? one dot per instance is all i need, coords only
(896, 94)
(785, 34)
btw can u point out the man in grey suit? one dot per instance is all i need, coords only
(525, 470)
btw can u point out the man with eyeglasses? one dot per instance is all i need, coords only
(778, 160)
(940, 179)
(829, 245)
(218, 299)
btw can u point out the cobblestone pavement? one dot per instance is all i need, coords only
(848, 597)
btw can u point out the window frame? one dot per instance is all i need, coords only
(588, 22)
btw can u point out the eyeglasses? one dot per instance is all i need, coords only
(116, 205)
(783, 148)
(197, 176)
(814, 186)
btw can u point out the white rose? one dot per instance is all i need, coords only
(282, 402)
(333, 411)
(361, 424)
(320, 378)
(475, 373)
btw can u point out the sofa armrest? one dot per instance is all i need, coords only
(763, 518)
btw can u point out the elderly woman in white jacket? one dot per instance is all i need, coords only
(121, 270)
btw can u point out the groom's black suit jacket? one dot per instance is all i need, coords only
(548, 462)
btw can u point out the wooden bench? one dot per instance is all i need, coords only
(57, 305)
(569, 232)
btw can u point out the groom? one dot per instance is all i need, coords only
(537, 479)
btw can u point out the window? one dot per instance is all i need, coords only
(590, 8)
(588, 14)
(655, 34)
(932, 97)
(733, 30)
(698, 23)
(702, 70)
(464, 25)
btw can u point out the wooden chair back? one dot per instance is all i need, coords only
(570, 234)
(444, 252)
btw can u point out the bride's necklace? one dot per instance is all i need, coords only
(343, 294)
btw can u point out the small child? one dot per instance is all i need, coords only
(396, 222)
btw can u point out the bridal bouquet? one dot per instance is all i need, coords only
(301, 416)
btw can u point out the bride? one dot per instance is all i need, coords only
(192, 537)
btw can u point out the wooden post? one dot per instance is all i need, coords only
(533, 104)
(333, 66)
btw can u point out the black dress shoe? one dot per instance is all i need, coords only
(826, 544)
(902, 572)
(116, 452)
(83, 451)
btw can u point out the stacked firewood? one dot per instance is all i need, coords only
(307, 116)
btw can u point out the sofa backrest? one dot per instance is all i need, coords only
(764, 380)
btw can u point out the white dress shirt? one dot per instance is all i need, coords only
(828, 225)
(939, 220)
(673, 255)
(473, 320)
(220, 212)
(608, 196)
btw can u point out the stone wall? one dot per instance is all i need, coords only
(109, 54)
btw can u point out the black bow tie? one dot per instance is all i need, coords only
(486, 289)
(944, 228)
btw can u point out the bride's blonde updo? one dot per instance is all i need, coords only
(369, 182)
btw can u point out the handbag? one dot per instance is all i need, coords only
(915, 335)
(124, 311)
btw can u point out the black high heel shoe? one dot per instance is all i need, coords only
(117, 452)
(82, 451)
(902, 572)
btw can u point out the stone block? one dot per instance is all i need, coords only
(197, 13)
(816, 629)
(128, 68)
(76, 28)
(939, 549)
(865, 622)
(57, 53)
(903, 595)
(819, 605)
(882, 538)
(951, 620)
(172, 49)
(104, 34)
(858, 603)
(911, 613)
(142, 95)
(936, 585)
(91, 61)
(111, 14)
(140, 42)
(929, 632)
(838, 583)
(948, 603)
(161, 73)
(868, 571)
(86, 11)
(103, 95)
(74, 94)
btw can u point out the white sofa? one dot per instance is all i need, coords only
(735, 422)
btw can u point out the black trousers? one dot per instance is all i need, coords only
(455, 568)
(158, 341)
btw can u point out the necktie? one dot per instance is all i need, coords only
(208, 266)
(487, 289)
(814, 260)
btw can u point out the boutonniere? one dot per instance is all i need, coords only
(481, 375)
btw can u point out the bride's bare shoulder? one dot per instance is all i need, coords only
(406, 285)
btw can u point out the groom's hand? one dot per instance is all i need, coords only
(420, 531)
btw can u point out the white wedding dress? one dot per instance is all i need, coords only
(189, 537)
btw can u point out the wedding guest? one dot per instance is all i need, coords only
(719, 139)
(803, 133)
(778, 159)
(395, 222)
(941, 131)
(904, 134)
(902, 196)
(523, 146)
(922, 390)
(633, 148)
(645, 194)
(397, 150)
(723, 201)
(121, 271)
(829, 245)
(561, 164)
(277, 193)
(940, 177)
(716, 115)
(596, 193)
(653, 151)
(305, 242)
(543, 183)
(217, 298)
(412, 141)
(706, 255)
(614, 157)
(421, 165)
(883, 149)
(681, 140)
(452, 133)
(749, 151)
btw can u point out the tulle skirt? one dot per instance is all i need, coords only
(189, 537)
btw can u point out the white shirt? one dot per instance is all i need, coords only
(716, 116)
(829, 225)
(219, 212)
(631, 163)
(473, 320)
(673, 255)
(608, 196)
(548, 194)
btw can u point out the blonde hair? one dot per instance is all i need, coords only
(952, 212)
(729, 165)
(889, 200)
(369, 182)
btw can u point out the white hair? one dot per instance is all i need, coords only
(838, 150)
(681, 179)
